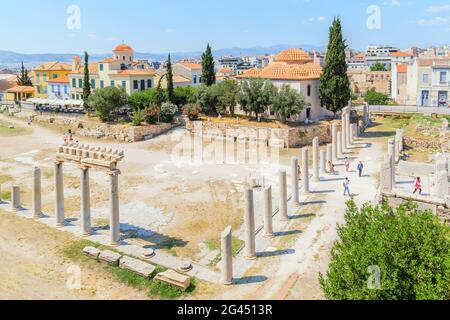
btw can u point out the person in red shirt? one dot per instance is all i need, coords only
(418, 186)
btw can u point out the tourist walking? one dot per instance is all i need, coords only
(418, 186)
(360, 169)
(347, 164)
(346, 185)
(331, 167)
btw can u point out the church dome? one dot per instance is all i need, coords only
(123, 48)
(293, 55)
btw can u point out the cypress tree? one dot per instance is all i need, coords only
(334, 88)
(208, 73)
(169, 77)
(86, 82)
(23, 79)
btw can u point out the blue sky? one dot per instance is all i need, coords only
(31, 26)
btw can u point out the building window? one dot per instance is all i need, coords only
(195, 80)
(73, 96)
(38, 78)
(142, 85)
(425, 78)
(135, 84)
(58, 89)
(101, 67)
(102, 84)
(44, 77)
(55, 76)
(113, 83)
(74, 83)
(38, 90)
(53, 88)
(65, 89)
(149, 84)
(93, 84)
(45, 90)
(199, 79)
(80, 83)
(124, 84)
(123, 58)
(309, 90)
(443, 77)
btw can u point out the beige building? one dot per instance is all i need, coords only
(295, 68)
(424, 83)
(121, 70)
(362, 80)
(185, 74)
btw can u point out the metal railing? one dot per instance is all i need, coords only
(405, 109)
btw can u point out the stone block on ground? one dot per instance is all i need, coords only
(91, 252)
(110, 257)
(141, 268)
(173, 278)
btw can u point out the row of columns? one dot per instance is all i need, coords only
(85, 220)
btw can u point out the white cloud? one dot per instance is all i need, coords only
(439, 9)
(92, 36)
(433, 22)
(318, 19)
(392, 3)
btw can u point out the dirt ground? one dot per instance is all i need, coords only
(34, 268)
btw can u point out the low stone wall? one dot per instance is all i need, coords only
(85, 127)
(273, 137)
(442, 210)
(421, 144)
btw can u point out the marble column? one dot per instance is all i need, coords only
(114, 207)
(391, 153)
(316, 164)
(85, 202)
(268, 212)
(305, 171)
(329, 153)
(283, 195)
(1, 201)
(15, 198)
(441, 188)
(227, 256)
(344, 129)
(249, 220)
(340, 151)
(348, 122)
(59, 194)
(334, 143)
(37, 194)
(360, 128)
(294, 181)
(323, 161)
(386, 175)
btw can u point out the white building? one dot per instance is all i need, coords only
(295, 68)
(120, 71)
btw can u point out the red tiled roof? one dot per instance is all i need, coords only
(402, 54)
(402, 68)
(285, 71)
(53, 66)
(123, 47)
(191, 65)
(293, 55)
(21, 89)
(64, 79)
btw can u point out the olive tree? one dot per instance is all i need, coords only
(288, 102)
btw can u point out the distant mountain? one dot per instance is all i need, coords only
(12, 59)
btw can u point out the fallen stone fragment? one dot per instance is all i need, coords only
(142, 268)
(91, 252)
(110, 257)
(173, 278)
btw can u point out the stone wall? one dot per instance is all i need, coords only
(274, 137)
(85, 127)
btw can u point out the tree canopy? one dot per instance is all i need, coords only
(389, 254)
(228, 90)
(208, 72)
(86, 82)
(256, 95)
(334, 88)
(379, 66)
(376, 98)
(288, 102)
(23, 79)
(106, 100)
